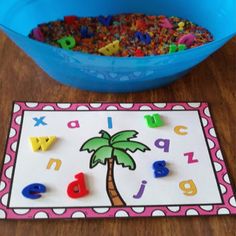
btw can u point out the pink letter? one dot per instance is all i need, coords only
(73, 124)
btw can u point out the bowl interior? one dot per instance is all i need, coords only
(216, 15)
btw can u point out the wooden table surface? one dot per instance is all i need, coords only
(213, 81)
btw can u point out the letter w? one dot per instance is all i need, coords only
(43, 143)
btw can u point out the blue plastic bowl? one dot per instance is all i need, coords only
(112, 74)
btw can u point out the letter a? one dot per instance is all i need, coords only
(73, 124)
(43, 143)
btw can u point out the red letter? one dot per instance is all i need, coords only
(77, 189)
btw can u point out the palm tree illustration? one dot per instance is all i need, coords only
(109, 150)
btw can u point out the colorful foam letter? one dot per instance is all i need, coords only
(178, 129)
(33, 191)
(141, 190)
(154, 121)
(110, 49)
(188, 187)
(70, 19)
(39, 121)
(163, 144)
(144, 38)
(160, 169)
(74, 124)
(67, 42)
(57, 164)
(105, 20)
(77, 189)
(43, 143)
(38, 35)
(187, 39)
(165, 23)
(190, 157)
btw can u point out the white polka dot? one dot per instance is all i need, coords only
(59, 211)
(223, 211)
(219, 155)
(223, 189)
(2, 185)
(121, 213)
(13, 146)
(192, 212)
(226, 178)
(204, 122)
(178, 108)
(41, 215)
(212, 132)
(126, 105)
(138, 209)
(194, 104)
(111, 108)
(207, 207)
(145, 108)
(160, 105)
(64, 105)
(78, 214)
(31, 104)
(4, 199)
(18, 120)
(21, 211)
(16, 108)
(82, 108)
(218, 166)
(7, 159)
(158, 213)
(2, 214)
(101, 210)
(12, 133)
(48, 108)
(9, 172)
(174, 209)
(137, 73)
(210, 143)
(207, 112)
(95, 105)
(232, 201)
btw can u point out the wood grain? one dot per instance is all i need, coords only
(213, 81)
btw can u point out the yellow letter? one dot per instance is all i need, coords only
(110, 49)
(178, 131)
(188, 187)
(56, 161)
(42, 143)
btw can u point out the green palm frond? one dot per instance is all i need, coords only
(124, 159)
(100, 156)
(124, 136)
(105, 134)
(131, 146)
(94, 143)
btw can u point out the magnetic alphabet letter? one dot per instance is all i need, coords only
(43, 143)
(154, 121)
(67, 42)
(110, 49)
(188, 187)
(179, 130)
(57, 164)
(73, 124)
(77, 189)
(163, 144)
(160, 169)
(33, 191)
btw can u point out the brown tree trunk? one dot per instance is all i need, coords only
(113, 194)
